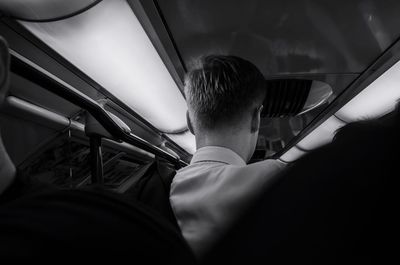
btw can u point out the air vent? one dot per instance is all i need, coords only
(285, 97)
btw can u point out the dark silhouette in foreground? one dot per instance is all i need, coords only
(335, 205)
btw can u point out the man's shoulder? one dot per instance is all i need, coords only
(219, 166)
(268, 163)
(201, 166)
(211, 169)
(199, 169)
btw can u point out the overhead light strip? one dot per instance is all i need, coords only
(108, 43)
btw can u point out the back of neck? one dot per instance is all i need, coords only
(233, 141)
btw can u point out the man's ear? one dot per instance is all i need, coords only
(4, 69)
(189, 123)
(256, 119)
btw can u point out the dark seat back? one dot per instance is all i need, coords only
(93, 225)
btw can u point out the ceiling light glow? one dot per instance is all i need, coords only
(378, 99)
(321, 135)
(292, 155)
(108, 43)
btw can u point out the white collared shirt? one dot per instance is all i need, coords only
(213, 190)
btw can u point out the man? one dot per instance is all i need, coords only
(224, 95)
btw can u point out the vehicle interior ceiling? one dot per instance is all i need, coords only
(72, 63)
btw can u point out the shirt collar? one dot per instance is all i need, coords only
(217, 154)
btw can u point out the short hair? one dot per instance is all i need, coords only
(221, 88)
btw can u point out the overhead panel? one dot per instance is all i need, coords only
(108, 43)
(285, 36)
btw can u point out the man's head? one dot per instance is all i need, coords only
(224, 94)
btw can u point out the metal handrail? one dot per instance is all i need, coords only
(36, 74)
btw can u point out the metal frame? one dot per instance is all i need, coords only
(96, 160)
(171, 37)
(34, 73)
(23, 109)
(153, 22)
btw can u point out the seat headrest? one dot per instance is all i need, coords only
(4, 69)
